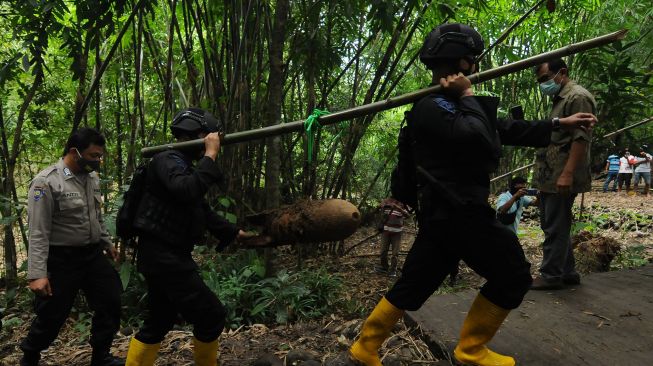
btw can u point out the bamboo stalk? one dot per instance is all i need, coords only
(397, 101)
(647, 120)
(637, 124)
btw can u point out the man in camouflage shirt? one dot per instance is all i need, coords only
(562, 171)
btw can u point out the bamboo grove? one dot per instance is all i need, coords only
(126, 66)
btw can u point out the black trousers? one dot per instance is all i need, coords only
(476, 237)
(71, 269)
(182, 293)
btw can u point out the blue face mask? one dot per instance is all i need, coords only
(550, 87)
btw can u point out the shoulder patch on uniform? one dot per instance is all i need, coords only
(445, 104)
(179, 161)
(38, 193)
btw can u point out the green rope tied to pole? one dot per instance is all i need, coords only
(311, 125)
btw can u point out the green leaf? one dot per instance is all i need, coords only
(125, 274)
(11, 322)
(8, 220)
(231, 217)
(225, 201)
(259, 308)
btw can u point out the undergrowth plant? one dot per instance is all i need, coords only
(631, 257)
(240, 283)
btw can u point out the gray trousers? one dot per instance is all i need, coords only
(555, 220)
(390, 238)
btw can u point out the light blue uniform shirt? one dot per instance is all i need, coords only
(524, 202)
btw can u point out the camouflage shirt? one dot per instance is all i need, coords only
(551, 160)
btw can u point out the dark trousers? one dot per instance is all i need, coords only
(477, 238)
(555, 220)
(71, 269)
(624, 177)
(182, 293)
(390, 240)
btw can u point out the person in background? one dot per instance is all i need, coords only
(612, 169)
(562, 172)
(513, 202)
(625, 170)
(643, 170)
(67, 245)
(394, 213)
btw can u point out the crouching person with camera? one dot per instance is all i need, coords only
(511, 203)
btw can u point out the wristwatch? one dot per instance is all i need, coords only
(556, 123)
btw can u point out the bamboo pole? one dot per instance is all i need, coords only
(397, 101)
(637, 124)
(647, 120)
(507, 32)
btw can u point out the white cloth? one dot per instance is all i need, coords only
(643, 167)
(624, 164)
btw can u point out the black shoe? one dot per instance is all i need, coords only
(541, 284)
(106, 359)
(380, 270)
(571, 280)
(30, 359)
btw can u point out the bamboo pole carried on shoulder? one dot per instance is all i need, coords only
(397, 101)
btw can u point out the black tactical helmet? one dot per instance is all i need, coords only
(191, 121)
(450, 41)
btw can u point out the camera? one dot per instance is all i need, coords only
(531, 192)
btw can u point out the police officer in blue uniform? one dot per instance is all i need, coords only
(171, 218)
(455, 219)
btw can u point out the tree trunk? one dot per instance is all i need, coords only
(134, 115)
(273, 113)
(8, 186)
(273, 110)
(81, 86)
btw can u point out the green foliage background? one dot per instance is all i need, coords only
(336, 54)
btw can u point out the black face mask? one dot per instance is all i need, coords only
(466, 72)
(87, 165)
(471, 62)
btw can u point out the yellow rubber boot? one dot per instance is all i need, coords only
(483, 320)
(205, 354)
(375, 330)
(141, 354)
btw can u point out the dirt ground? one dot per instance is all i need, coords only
(324, 339)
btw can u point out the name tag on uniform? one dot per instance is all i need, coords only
(70, 195)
